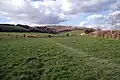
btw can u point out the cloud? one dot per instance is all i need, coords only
(112, 20)
(84, 23)
(87, 6)
(116, 13)
(95, 16)
(95, 21)
(32, 11)
(51, 11)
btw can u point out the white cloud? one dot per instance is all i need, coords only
(95, 17)
(95, 21)
(31, 11)
(81, 6)
(51, 11)
(83, 23)
(115, 13)
(110, 21)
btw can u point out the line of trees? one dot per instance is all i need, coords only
(24, 26)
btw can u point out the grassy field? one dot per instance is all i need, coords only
(59, 58)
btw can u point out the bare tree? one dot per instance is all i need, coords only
(118, 5)
(98, 27)
(113, 20)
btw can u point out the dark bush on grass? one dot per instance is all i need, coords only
(49, 36)
(67, 34)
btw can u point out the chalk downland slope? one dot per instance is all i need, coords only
(62, 58)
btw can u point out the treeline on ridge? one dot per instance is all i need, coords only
(42, 29)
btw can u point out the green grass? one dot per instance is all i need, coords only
(12, 35)
(26, 33)
(72, 33)
(61, 58)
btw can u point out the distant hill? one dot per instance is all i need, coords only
(11, 28)
(42, 29)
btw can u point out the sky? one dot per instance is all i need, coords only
(81, 13)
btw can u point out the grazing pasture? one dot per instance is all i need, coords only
(58, 58)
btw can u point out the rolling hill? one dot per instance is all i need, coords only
(41, 29)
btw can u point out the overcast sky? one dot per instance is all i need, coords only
(64, 12)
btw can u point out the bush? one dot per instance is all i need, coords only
(0, 29)
(67, 34)
(87, 31)
(49, 35)
(24, 35)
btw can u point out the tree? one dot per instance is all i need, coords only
(113, 20)
(67, 34)
(98, 27)
(49, 36)
(0, 29)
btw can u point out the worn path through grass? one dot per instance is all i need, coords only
(83, 54)
(64, 58)
(106, 65)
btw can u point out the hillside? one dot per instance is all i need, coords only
(11, 28)
(58, 58)
(41, 29)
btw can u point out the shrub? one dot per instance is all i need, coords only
(49, 35)
(24, 35)
(67, 34)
